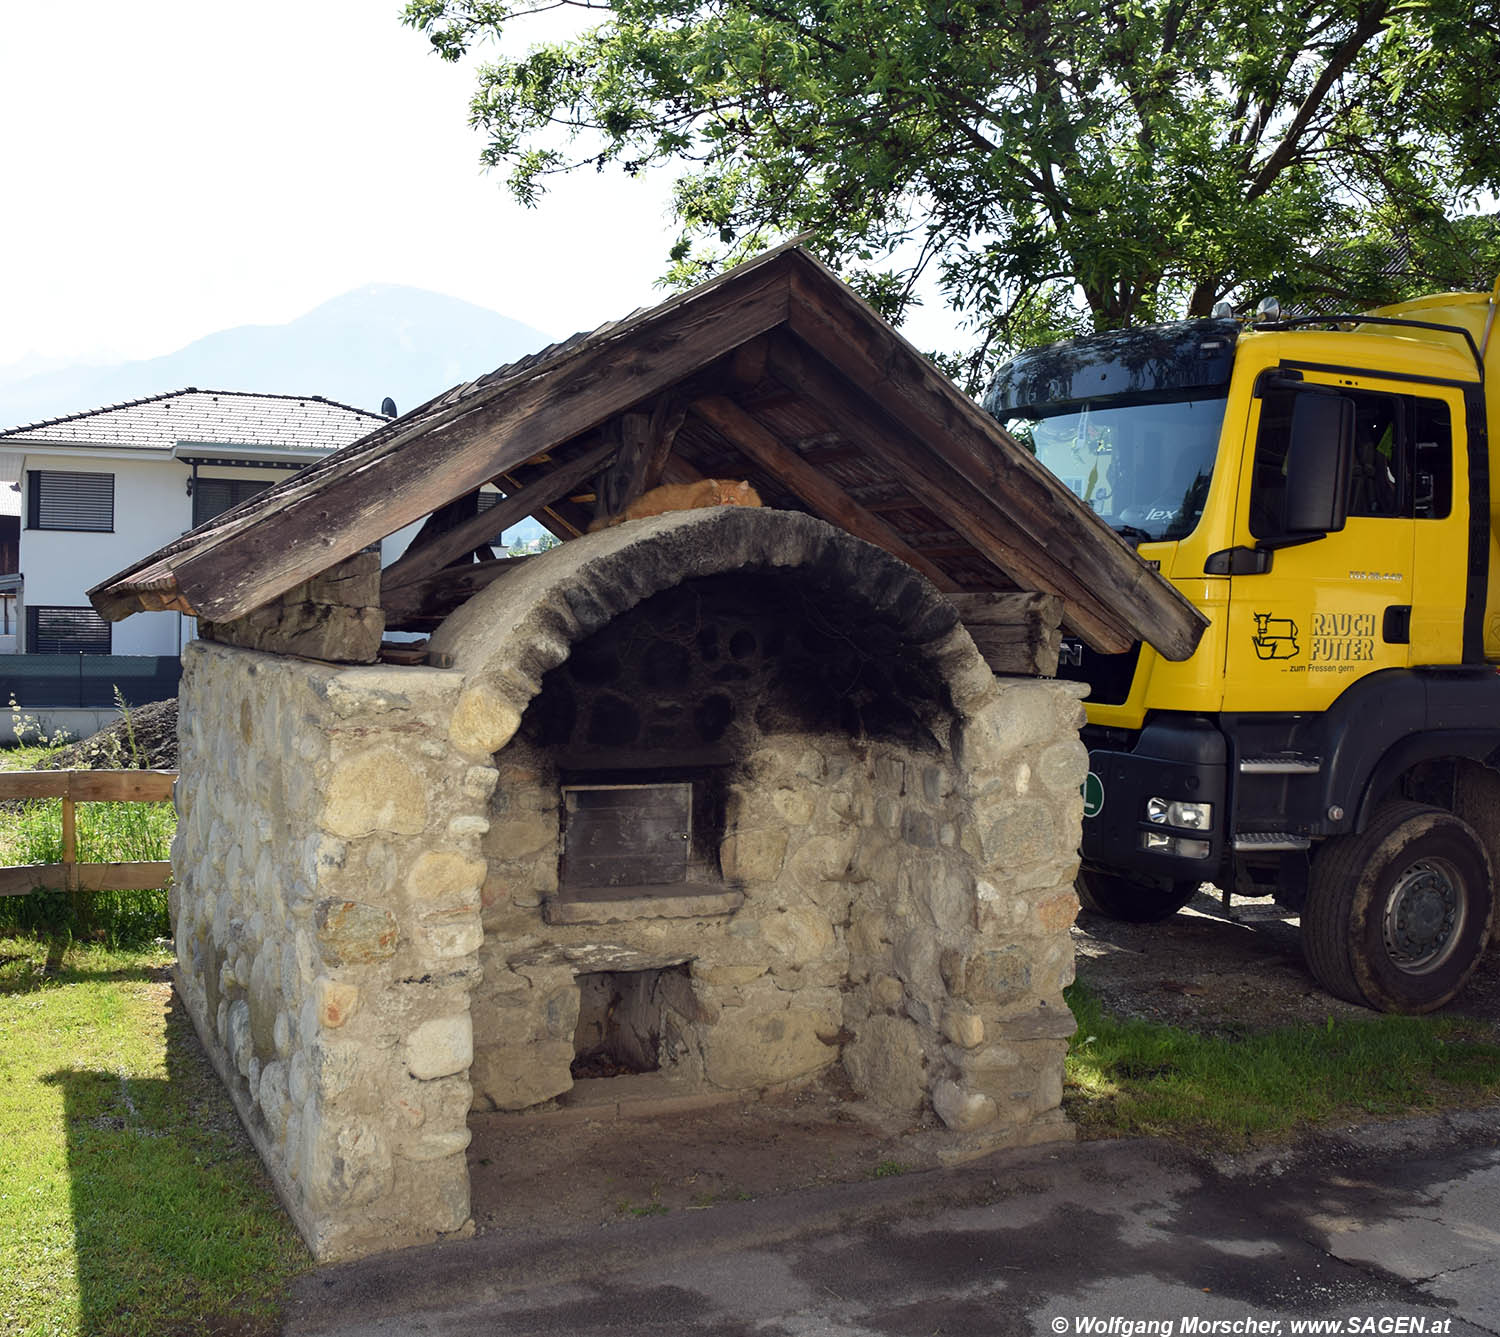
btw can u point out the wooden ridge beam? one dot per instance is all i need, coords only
(815, 488)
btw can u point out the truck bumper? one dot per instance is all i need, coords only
(1177, 759)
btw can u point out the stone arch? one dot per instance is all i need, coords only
(506, 638)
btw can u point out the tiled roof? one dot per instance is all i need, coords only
(220, 417)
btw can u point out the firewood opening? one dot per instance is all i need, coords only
(627, 1021)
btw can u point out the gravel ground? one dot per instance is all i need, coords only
(1215, 971)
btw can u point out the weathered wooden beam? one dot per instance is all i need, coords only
(1015, 652)
(88, 786)
(747, 364)
(945, 549)
(140, 876)
(623, 477)
(815, 488)
(948, 496)
(462, 539)
(362, 498)
(444, 519)
(666, 421)
(1017, 633)
(1133, 601)
(335, 617)
(886, 504)
(420, 604)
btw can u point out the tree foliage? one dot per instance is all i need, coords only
(1056, 165)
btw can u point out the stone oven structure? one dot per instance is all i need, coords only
(388, 914)
(739, 795)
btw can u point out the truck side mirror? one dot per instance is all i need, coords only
(1319, 456)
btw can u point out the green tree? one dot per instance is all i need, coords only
(1055, 165)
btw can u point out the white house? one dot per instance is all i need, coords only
(95, 490)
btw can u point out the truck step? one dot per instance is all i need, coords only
(1281, 763)
(1261, 842)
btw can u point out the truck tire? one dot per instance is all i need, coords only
(1398, 915)
(1118, 897)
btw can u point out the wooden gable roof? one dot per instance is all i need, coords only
(776, 372)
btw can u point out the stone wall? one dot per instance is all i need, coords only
(368, 929)
(326, 918)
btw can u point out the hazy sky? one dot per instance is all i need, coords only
(174, 167)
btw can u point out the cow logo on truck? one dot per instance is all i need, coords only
(1275, 637)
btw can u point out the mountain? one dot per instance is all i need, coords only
(377, 341)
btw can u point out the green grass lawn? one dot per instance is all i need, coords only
(131, 1201)
(1138, 1078)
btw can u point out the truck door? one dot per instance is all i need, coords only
(1383, 591)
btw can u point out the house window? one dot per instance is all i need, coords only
(213, 496)
(66, 631)
(61, 500)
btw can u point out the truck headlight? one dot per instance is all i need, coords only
(1176, 812)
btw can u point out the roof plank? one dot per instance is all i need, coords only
(322, 524)
(774, 351)
(940, 489)
(956, 430)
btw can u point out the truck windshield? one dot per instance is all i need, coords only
(1129, 419)
(1144, 468)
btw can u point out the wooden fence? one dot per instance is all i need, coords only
(75, 787)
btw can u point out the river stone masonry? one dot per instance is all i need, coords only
(376, 933)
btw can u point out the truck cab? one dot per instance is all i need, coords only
(1320, 490)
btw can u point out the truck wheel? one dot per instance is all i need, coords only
(1135, 902)
(1397, 915)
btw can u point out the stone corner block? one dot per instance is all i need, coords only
(483, 721)
(440, 1047)
(963, 1111)
(351, 933)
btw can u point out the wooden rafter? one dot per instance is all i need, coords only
(778, 341)
(456, 542)
(943, 492)
(815, 488)
(420, 604)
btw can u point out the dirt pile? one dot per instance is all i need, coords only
(145, 739)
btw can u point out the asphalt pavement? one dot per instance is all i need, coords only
(1386, 1228)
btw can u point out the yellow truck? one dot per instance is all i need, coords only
(1321, 489)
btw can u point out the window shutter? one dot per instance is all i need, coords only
(66, 631)
(62, 500)
(213, 496)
